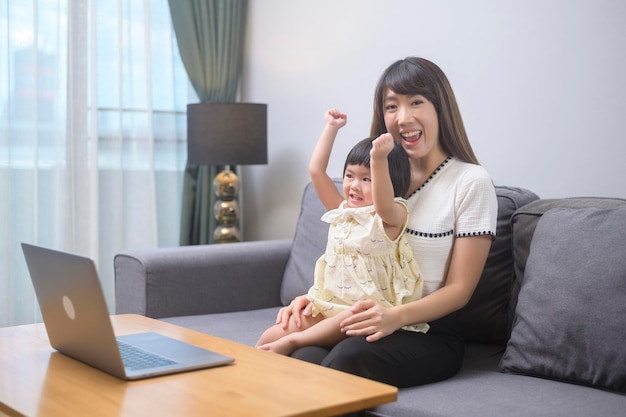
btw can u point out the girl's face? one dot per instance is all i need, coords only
(357, 186)
(412, 120)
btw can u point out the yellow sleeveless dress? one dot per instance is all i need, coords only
(361, 262)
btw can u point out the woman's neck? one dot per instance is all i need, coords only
(422, 168)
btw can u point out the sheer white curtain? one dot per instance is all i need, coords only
(93, 97)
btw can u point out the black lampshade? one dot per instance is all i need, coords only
(227, 133)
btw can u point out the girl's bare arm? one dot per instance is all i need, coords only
(324, 185)
(392, 214)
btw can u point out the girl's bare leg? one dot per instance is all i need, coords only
(325, 333)
(277, 331)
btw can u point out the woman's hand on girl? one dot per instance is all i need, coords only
(371, 320)
(300, 306)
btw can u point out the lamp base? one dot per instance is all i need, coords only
(226, 210)
(226, 184)
(226, 234)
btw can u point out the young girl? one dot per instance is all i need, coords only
(367, 255)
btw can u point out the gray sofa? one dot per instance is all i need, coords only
(544, 329)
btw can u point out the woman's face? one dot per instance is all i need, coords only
(412, 120)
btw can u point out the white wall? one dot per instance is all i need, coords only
(541, 85)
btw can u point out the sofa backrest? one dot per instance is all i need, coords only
(309, 243)
(485, 317)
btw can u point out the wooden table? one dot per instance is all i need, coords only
(35, 380)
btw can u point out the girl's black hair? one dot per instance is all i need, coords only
(399, 167)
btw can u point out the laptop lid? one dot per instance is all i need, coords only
(77, 319)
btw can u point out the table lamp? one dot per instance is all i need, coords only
(226, 134)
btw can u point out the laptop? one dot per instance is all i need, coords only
(77, 320)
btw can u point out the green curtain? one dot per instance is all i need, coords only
(210, 35)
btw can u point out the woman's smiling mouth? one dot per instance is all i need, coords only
(411, 137)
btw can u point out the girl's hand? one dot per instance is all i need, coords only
(381, 146)
(335, 118)
(371, 320)
(300, 306)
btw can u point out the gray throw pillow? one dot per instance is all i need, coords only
(523, 224)
(571, 310)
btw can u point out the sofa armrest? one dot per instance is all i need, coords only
(204, 279)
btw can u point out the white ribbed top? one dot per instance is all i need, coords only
(458, 200)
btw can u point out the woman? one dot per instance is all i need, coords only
(452, 221)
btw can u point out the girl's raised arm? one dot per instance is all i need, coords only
(324, 185)
(393, 214)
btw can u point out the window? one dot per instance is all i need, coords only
(91, 182)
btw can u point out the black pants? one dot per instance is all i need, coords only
(402, 359)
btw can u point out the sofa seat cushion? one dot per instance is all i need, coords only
(478, 390)
(570, 312)
(242, 326)
(480, 393)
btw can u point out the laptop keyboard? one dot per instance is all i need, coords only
(135, 358)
